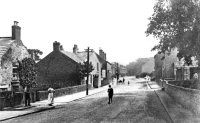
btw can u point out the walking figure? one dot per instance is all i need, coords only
(51, 96)
(128, 82)
(110, 94)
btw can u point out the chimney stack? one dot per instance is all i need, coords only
(102, 54)
(56, 46)
(16, 31)
(75, 49)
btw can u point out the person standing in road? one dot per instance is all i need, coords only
(110, 94)
(27, 96)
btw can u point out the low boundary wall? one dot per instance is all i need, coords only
(9, 99)
(42, 95)
(189, 98)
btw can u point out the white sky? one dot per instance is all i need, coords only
(116, 26)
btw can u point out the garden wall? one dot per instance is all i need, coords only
(189, 98)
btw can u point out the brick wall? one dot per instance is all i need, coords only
(189, 98)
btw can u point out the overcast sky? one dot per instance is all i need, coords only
(116, 26)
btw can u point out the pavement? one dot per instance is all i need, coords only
(9, 113)
(177, 112)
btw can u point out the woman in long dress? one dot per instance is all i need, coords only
(51, 96)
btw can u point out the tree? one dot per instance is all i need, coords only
(135, 68)
(27, 72)
(83, 69)
(35, 53)
(176, 24)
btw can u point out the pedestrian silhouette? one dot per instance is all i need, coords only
(110, 94)
(123, 80)
(27, 96)
(128, 82)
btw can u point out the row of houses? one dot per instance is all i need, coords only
(59, 68)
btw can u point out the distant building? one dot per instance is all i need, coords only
(12, 50)
(120, 69)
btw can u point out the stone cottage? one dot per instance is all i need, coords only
(12, 50)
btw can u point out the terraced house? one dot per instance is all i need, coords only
(12, 50)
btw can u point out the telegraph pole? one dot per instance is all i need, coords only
(88, 50)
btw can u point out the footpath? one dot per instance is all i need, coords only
(177, 113)
(43, 105)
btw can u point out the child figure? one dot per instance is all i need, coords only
(110, 94)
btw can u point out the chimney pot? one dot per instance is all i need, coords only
(56, 46)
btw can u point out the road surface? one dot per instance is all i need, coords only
(134, 103)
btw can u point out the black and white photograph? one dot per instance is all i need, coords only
(100, 61)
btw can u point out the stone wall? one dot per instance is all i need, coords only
(189, 98)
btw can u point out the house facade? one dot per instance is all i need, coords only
(12, 51)
(95, 76)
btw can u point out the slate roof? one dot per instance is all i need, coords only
(72, 56)
(5, 44)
